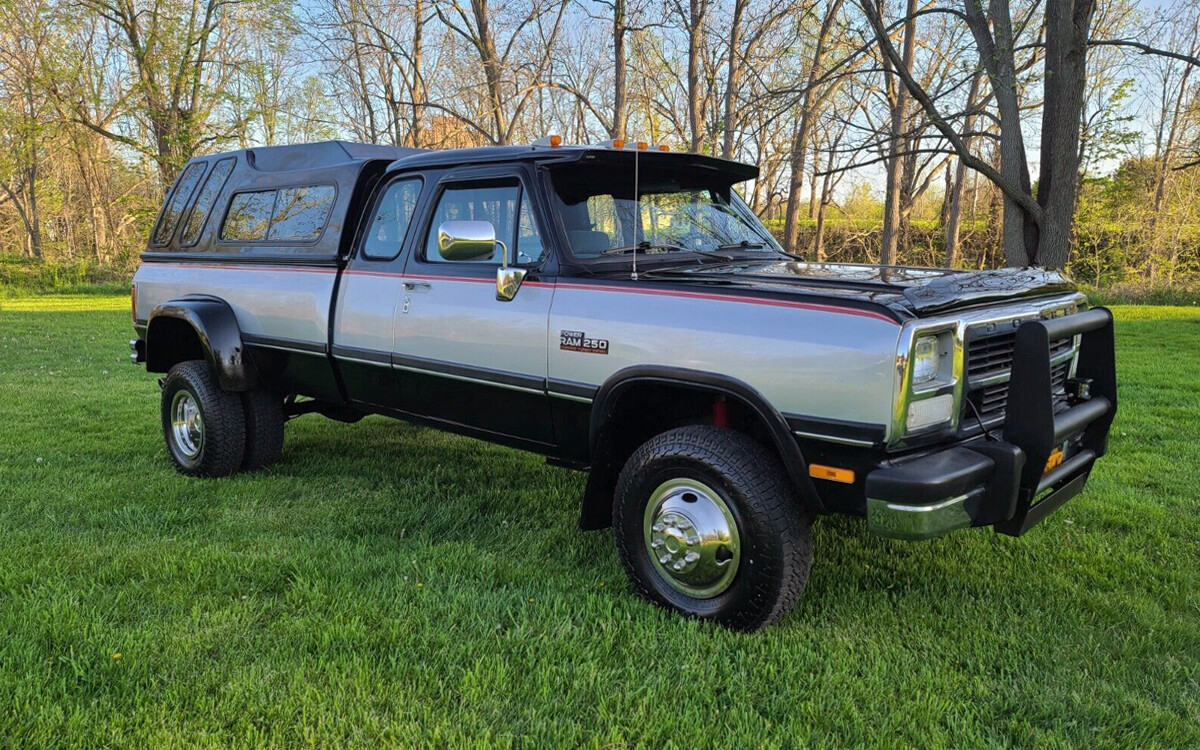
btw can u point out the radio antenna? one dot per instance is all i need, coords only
(637, 213)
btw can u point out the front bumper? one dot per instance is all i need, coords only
(1010, 483)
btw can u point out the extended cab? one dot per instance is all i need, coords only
(622, 311)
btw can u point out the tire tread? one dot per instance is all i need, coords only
(767, 500)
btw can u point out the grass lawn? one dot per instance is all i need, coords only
(391, 585)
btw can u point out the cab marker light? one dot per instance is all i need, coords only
(662, 147)
(555, 141)
(832, 473)
(642, 145)
(618, 143)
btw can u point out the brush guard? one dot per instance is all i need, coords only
(1032, 425)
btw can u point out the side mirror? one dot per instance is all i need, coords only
(467, 240)
(508, 281)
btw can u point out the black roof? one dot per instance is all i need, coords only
(421, 158)
(331, 154)
(322, 154)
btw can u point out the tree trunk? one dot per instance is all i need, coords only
(620, 107)
(1068, 23)
(809, 101)
(898, 94)
(695, 115)
(791, 220)
(955, 191)
(733, 77)
(491, 69)
(416, 131)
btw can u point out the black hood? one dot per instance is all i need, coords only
(915, 291)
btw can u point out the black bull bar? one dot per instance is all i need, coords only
(1032, 425)
(1043, 459)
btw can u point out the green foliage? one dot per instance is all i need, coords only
(388, 585)
(21, 276)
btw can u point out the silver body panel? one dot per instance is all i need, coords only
(460, 322)
(813, 361)
(807, 359)
(282, 302)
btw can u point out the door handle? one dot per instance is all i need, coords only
(414, 286)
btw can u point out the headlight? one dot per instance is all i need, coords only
(929, 398)
(926, 360)
(931, 359)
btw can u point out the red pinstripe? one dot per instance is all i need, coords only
(587, 287)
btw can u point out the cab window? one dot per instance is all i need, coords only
(503, 206)
(389, 225)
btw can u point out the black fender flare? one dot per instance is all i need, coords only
(781, 435)
(220, 338)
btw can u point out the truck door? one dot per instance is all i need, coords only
(368, 294)
(465, 358)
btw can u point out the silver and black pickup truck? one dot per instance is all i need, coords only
(619, 309)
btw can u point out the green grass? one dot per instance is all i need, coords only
(390, 585)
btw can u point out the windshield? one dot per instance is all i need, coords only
(602, 219)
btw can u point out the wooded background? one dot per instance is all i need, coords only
(1055, 132)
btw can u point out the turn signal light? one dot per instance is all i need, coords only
(831, 473)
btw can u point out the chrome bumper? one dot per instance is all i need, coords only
(901, 521)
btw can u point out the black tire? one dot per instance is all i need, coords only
(221, 441)
(773, 532)
(264, 428)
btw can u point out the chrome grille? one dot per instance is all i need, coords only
(989, 364)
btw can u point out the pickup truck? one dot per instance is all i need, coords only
(619, 309)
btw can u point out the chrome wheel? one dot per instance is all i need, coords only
(692, 538)
(187, 425)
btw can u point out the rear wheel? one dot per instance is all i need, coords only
(706, 524)
(204, 426)
(264, 428)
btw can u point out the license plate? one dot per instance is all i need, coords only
(1055, 461)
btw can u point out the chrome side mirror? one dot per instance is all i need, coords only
(476, 241)
(467, 240)
(508, 281)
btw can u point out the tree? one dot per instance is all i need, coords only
(817, 89)
(1037, 227)
(177, 56)
(508, 87)
(25, 37)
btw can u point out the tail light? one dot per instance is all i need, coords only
(133, 301)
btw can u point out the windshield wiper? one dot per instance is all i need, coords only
(643, 247)
(743, 245)
(664, 247)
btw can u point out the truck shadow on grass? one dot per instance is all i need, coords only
(423, 487)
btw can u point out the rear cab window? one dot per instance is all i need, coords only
(392, 216)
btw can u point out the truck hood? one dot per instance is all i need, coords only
(906, 290)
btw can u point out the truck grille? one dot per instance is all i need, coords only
(990, 357)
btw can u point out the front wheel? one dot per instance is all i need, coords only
(204, 426)
(706, 524)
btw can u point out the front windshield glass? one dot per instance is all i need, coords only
(675, 215)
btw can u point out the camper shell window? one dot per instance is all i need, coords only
(296, 214)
